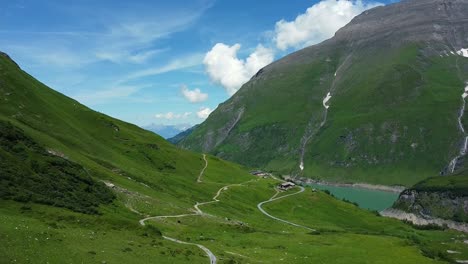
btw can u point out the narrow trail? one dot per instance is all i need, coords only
(215, 198)
(198, 212)
(274, 198)
(206, 250)
(199, 179)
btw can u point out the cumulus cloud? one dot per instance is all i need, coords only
(204, 112)
(193, 96)
(318, 23)
(171, 115)
(225, 68)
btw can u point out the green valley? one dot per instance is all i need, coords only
(381, 105)
(149, 178)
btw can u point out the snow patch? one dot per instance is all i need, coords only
(463, 52)
(325, 101)
(465, 147)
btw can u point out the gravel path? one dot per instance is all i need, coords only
(274, 198)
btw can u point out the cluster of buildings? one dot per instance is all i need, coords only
(260, 173)
(282, 186)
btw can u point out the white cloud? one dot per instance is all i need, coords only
(141, 57)
(125, 56)
(171, 115)
(224, 67)
(128, 35)
(58, 57)
(320, 22)
(204, 112)
(102, 96)
(176, 64)
(193, 96)
(122, 89)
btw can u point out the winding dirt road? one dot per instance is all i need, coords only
(207, 251)
(274, 198)
(198, 212)
(199, 179)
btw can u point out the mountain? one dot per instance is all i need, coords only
(380, 102)
(77, 186)
(167, 131)
(177, 138)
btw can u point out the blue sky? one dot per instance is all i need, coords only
(161, 62)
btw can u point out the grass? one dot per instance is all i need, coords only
(392, 120)
(43, 234)
(456, 184)
(29, 173)
(152, 177)
(238, 227)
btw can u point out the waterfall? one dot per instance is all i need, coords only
(310, 130)
(464, 147)
(306, 137)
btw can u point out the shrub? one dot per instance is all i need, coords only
(28, 173)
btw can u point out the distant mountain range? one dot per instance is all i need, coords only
(167, 131)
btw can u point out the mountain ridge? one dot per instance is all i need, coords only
(279, 116)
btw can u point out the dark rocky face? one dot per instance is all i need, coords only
(444, 22)
(409, 21)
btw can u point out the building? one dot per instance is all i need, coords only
(286, 185)
(260, 173)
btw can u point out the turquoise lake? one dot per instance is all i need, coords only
(367, 199)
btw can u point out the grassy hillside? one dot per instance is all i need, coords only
(30, 174)
(395, 82)
(392, 119)
(456, 184)
(58, 153)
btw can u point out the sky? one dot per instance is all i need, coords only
(161, 62)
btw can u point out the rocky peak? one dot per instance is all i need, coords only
(410, 21)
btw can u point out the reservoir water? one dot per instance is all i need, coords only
(365, 198)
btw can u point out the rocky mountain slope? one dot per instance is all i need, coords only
(437, 199)
(380, 102)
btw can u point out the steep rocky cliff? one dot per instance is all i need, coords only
(444, 204)
(442, 198)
